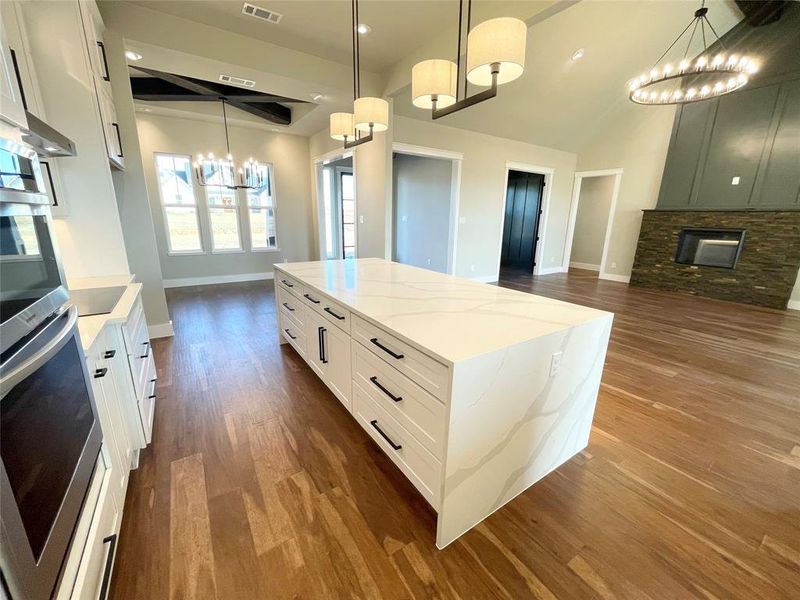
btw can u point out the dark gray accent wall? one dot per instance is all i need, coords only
(753, 134)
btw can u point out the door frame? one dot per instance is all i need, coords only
(547, 173)
(317, 163)
(456, 159)
(573, 216)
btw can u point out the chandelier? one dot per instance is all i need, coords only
(221, 172)
(495, 54)
(369, 114)
(691, 80)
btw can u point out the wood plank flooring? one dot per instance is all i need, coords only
(258, 484)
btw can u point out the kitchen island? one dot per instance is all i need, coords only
(474, 391)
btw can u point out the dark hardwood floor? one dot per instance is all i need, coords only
(259, 484)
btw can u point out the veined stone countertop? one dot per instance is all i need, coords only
(451, 317)
(90, 326)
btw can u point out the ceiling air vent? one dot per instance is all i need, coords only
(261, 13)
(237, 81)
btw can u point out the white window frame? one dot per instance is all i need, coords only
(237, 212)
(164, 207)
(277, 248)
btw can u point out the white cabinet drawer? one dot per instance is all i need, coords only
(147, 402)
(414, 408)
(289, 284)
(294, 334)
(335, 313)
(423, 370)
(416, 463)
(290, 306)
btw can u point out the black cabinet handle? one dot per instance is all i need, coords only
(289, 308)
(289, 333)
(287, 284)
(154, 380)
(98, 373)
(378, 385)
(374, 423)
(119, 140)
(19, 78)
(310, 298)
(151, 397)
(105, 60)
(387, 350)
(147, 352)
(319, 340)
(323, 346)
(330, 312)
(109, 354)
(112, 539)
(46, 165)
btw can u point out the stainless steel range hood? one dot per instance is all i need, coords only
(46, 140)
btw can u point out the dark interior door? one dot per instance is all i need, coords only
(521, 225)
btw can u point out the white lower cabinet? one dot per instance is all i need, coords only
(328, 354)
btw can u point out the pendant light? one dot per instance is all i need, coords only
(693, 79)
(219, 172)
(369, 114)
(495, 53)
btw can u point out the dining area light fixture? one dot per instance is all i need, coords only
(222, 172)
(494, 52)
(370, 115)
(700, 76)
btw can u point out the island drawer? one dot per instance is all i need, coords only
(291, 307)
(289, 284)
(293, 334)
(414, 408)
(330, 309)
(416, 463)
(423, 370)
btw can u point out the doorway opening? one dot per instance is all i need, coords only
(336, 196)
(521, 222)
(594, 201)
(425, 190)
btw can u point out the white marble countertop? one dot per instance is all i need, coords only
(450, 317)
(89, 327)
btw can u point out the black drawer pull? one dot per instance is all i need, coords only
(385, 349)
(110, 354)
(98, 373)
(374, 423)
(109, 563)
(119, 140)
(147, 352)
(152, 397)
(378, 385)
(102, 47)
(289, 333)
(330, 312)
(286, 283)
(289, 308)
(323, 350)
(154, 380)
(310, 298)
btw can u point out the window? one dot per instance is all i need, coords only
(348, 215)
(261, 208)
(223, 219)
(178, 202)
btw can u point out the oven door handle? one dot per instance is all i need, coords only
(23, 364)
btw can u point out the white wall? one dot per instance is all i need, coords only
(422, 191)
(289, 157)
(482, 198)
(794, 300)
(592, 219)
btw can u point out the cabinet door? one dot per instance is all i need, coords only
(111, 128)
(315, 329)
(337, 375)
(93, 29)
(13, 109)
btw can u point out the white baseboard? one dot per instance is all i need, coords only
(586, 266)
(485, 278)
(188, 281)
(613, 277)
(551, 270)
(160, 330)
(793, 305)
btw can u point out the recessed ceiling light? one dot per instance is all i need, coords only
(316, 96)
(143, 109)
(131, 55)
(363, 28)
(578, 54)
(53, 149)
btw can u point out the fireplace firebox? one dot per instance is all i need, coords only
(710, 247)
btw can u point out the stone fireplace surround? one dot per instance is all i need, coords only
(767, 268)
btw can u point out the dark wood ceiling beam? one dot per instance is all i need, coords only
(275, 113)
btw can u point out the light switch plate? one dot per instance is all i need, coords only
(555, 363)
(735, 180)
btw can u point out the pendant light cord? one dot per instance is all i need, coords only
(466, 44)
(700, 20)
(458, 49)
(225, 123)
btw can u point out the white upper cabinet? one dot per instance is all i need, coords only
(12, 108)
